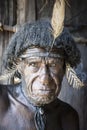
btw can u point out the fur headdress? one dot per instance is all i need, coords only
(44, 34)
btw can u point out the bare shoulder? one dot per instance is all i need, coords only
(65, 107)
(69, 116)
(62, 109)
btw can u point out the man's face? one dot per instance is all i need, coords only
(42, 77)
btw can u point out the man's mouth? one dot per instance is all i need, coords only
(43, 91)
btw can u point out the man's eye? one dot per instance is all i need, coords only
(53, 65)
(33, 64)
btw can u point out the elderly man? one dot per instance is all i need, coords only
(31, 56)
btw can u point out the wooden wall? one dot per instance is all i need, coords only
(17, 12)
(7, 17)
(14, 13)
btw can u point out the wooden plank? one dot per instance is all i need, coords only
(25, 11)
(12, 12)
(21, 11)
(30, 12)
(6, 12)
(1, 48)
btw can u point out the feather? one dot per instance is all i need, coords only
(72, 77)
(58, 17)
(10, 72)
(7, 74)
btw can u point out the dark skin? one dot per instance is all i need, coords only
(18, 105)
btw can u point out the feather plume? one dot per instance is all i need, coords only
(72, 77)
(58, 17)
(10, 72)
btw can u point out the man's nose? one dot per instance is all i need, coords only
(44, 75)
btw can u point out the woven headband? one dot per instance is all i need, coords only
(41, 54)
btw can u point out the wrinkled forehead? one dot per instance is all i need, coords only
(42, 52)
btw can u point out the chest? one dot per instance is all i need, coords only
(25, 120)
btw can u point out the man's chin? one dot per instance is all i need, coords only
(39, 101)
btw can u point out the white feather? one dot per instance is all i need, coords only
(58, 17)
(72, 77)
